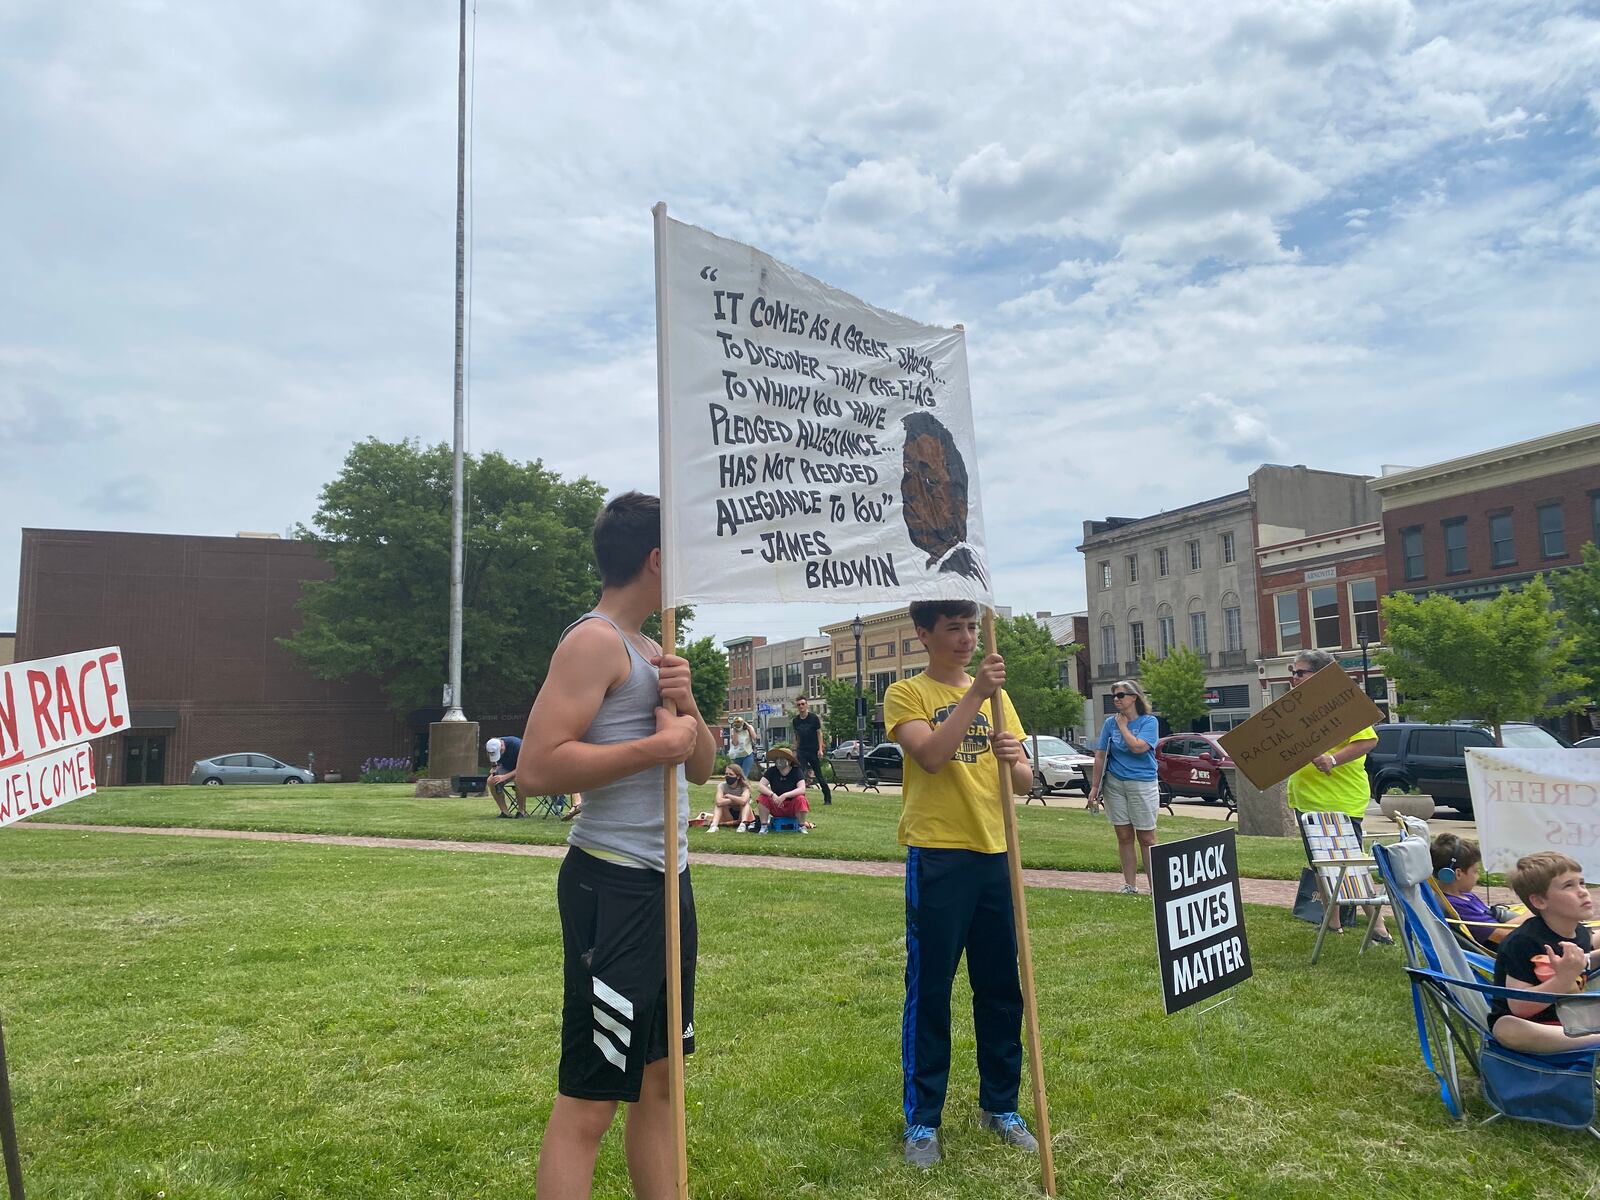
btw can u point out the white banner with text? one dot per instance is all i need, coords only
(49, 703)
(814, 448)
(1526, 801)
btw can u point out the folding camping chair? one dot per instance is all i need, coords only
(1450, 1001)
(1344, 872)
(549, 806)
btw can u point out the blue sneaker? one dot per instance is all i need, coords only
(1013, 1130)
(922, 1146)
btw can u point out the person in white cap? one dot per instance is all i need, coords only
(503, 754)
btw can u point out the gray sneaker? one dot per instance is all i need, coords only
(1013, 1130)
(922, 1146)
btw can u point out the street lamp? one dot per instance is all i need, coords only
(861, 712)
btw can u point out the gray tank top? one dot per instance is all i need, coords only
(622, 822)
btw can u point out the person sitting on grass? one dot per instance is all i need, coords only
(1456, 862)
(1549, 953)
(503, 755)
(782, 790)
(733, 799)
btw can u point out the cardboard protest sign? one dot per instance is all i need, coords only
(49, 703)
(1200, 938)
(1323, 711)
(814, 448)
(45, 782)
(1525, 801)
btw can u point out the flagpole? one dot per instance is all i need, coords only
(1019, 914)
(669, 799)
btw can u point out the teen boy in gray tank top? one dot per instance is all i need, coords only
(601, 726)
(622, 821)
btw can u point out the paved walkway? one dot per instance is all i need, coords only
(1278, 892)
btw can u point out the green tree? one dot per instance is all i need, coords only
(708, 666)
(1176, 685)
(839, 721)
(1579, 592)
(1033, 674)
(384, 528)
(1493, 661)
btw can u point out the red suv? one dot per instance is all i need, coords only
(1190, 764)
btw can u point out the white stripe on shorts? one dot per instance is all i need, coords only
(612, 997)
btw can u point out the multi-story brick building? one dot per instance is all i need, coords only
(1072, 629)
(199, 621)
(1321, 592)
(742, 677)
(1468, 527)
(1187, 576)
(780, 678)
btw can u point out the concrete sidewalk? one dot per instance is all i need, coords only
(1278, 892)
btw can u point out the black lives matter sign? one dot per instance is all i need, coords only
(1200, 936)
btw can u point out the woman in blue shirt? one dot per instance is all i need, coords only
(1125, 777)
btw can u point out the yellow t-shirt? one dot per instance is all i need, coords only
(1344, 789)
(959, 807)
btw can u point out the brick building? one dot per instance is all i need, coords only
(1321, 592)
(198, 620)
(742, 677)
(1468, 527)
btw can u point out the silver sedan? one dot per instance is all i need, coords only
(246, 768)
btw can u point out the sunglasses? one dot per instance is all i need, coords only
(1301, 674)
(1120, 695)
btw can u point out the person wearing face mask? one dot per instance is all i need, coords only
(733, 799)
(1125, 778)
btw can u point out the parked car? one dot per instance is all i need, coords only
(1432, 759)
(246, 768)
(1591, 743)
(1061, 765)
(1190, 764)
(885, 762)
(844, 749)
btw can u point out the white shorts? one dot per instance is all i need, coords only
(1130, 801)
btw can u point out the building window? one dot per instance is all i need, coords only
(794, 675)
(1364, 608)
(910, 646)
(1227, 547)
(1136, 634)
(1105, 575)
(1194, 556)
(1108, 645)
(1455, 546)
(1552, 531)
(1197, 632)
(1411, 551)
(1502, 540)
(1325, 617)
(1288, 607)
(1168, 633)
(1133, 568)
(880, 683)
(1232, 629)
(814, 686)
(763, 680)
(1164, 562)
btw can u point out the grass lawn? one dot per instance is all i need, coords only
(192, 1018)
(856, 826)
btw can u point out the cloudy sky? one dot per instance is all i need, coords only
(1184, 239)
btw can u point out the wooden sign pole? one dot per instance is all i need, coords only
(680, 1129)
(1019, 912)
(8, 1128)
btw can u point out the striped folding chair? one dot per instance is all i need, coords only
(1344, 872)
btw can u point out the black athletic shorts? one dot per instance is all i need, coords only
(614, 1005)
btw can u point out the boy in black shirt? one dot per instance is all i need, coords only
(1550, 952)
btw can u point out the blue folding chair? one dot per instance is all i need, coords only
(1451, 1003)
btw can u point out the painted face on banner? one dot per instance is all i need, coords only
(935, 505)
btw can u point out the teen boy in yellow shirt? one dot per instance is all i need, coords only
(958, 891)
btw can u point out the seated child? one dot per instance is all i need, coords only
(1547, 954)
(1487, 926)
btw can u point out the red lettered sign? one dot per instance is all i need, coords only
(51, 703)
(46, 782)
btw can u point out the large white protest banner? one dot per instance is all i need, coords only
(813, 447)
(1526, 801)
(46, 782)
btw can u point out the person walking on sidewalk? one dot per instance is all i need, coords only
(958, 883)
(1125, 778)
(808, 744)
